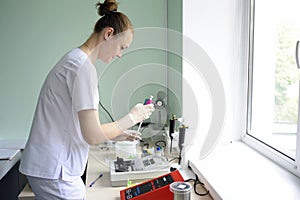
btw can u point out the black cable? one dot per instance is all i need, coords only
(161, 141)
(147, 145)
(179, 160)
(112, 119)
(196, 182)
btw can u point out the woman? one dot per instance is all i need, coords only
(66, 120)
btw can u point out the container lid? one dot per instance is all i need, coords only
(180, 187)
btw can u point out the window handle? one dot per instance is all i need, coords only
(297, 54)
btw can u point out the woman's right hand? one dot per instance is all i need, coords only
(141, 112)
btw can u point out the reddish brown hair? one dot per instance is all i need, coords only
(110, 17)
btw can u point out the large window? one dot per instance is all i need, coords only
(273, 89)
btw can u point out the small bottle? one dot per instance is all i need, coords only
(148, 101)
(158, 151)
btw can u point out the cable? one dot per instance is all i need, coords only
(161, 141)
(196, 182)
(112, 119)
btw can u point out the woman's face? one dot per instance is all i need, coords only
(114, 46)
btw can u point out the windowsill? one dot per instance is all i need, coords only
(235, 171)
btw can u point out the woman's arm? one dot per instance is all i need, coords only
(94, 132)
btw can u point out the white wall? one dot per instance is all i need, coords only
(216, 27)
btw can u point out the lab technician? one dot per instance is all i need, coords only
(66, 120)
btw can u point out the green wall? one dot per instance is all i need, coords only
(35, 34)
(174, 61)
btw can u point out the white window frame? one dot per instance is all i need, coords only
(268, 151)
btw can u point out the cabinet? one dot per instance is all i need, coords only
(11, 180)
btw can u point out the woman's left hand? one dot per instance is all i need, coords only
(129, 135)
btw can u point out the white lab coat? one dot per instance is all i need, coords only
(55, 148)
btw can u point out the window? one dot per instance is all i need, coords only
(273, 81)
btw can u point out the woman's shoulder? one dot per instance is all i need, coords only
(76, 53)
(75, 56)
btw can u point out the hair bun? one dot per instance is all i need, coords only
(107, 7)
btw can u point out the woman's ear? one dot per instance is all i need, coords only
(108, 32)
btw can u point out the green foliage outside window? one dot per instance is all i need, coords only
(286, 78)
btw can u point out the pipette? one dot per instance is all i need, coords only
(146, 102)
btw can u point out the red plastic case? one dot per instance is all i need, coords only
(155, 189)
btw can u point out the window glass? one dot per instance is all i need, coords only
(275, 76)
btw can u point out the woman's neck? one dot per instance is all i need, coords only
(90, 47)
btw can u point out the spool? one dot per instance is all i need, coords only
(181, 190)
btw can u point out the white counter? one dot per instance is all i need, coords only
(6, 165)
(12, 146)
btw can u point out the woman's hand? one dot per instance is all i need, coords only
(129, 135)
(141, 112)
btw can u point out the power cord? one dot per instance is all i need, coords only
(112, 119)
(196, 182)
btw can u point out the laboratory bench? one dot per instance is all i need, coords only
(102, 189)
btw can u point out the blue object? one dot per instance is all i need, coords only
(92, 183)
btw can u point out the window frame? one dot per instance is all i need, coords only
(267, 150)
